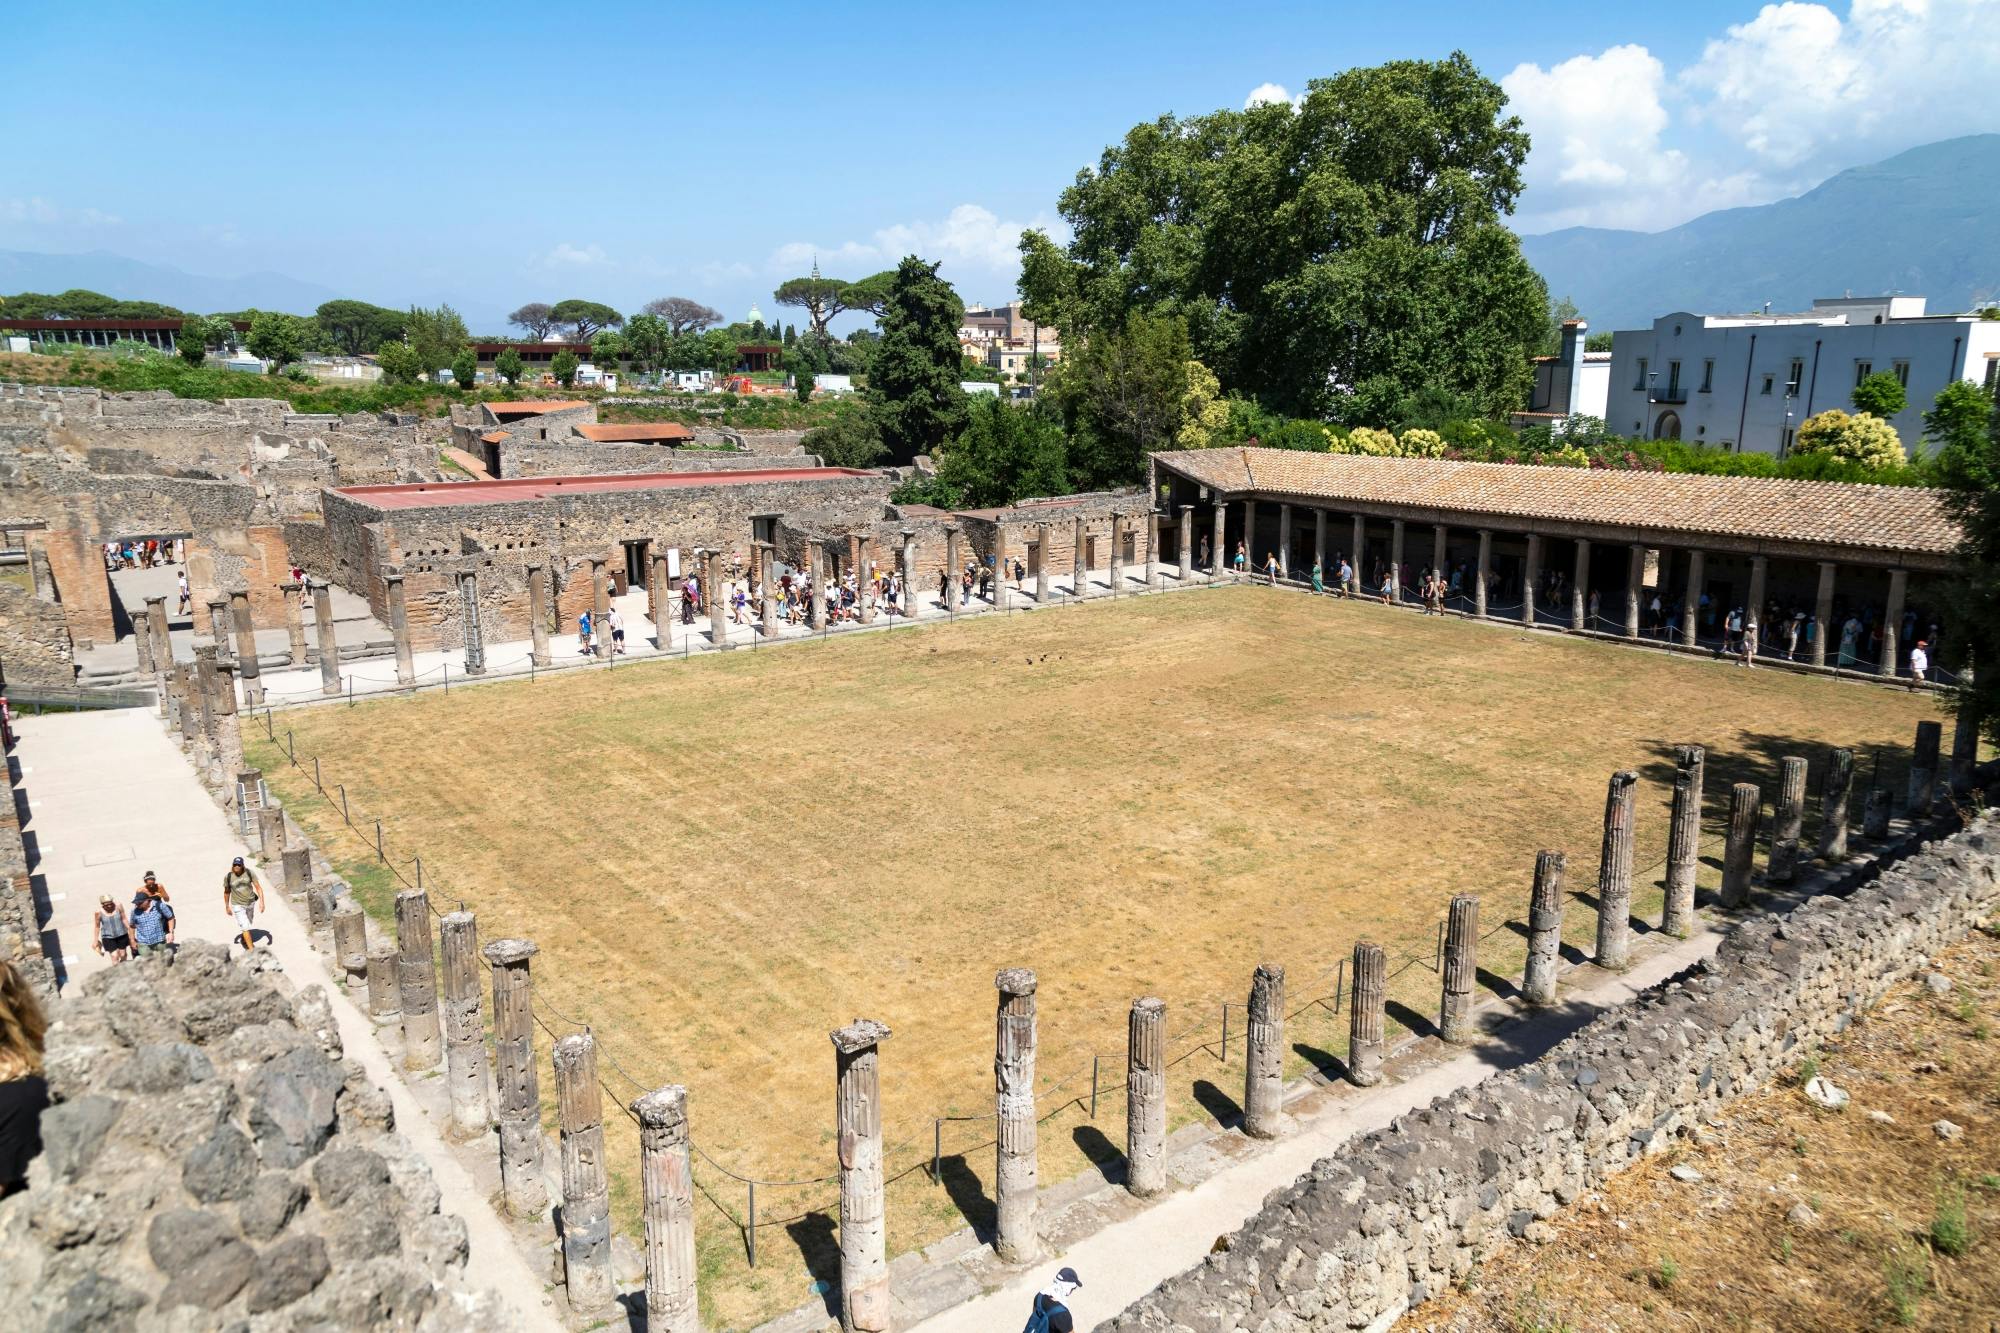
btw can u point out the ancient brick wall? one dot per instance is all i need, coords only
(35, 645)
(20, 924)
(1396, 1215)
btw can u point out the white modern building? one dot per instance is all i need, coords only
(1746, 382)
(1571, 381)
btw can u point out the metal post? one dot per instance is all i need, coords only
(1225, 1032)
(937, 1152)
(420, 872)
(378, 842)
(750, 1232)
(343, 804)
(1093, 1087)
(316, 785)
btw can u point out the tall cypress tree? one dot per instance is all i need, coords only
(913, 382)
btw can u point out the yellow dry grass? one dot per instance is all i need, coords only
(723, 859)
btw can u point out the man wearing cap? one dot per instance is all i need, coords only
(242, 896)
(152, 924)
(1050, 1313)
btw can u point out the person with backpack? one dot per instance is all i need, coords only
(114, 936)
(1050, 1313)
(152, 924)
(242, 897)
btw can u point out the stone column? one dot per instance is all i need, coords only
(522, 1186)
(1360, 543)
(384, 984)
(1079, 580)
(1691, 599)
(1041, 564)
(142, 644)
(1614, 873)
(1319, 544)
(1753, 614)
(156, 632)
(1789, 822)
(767, 590)
(1823, 612)
(586, 1205)
(350, 943)
(1219, 548)
(1365, 1015)
(1440, 535)
(711, 588)
(468, 612)
(864, 1266)
(954, 565)
(1579, 588)
(297, 871)
(1684, 841)
(666, 1185)
(1892, 622)
(999, 567)
(600, 611)
(1875, 814)
(663, 600)
(1251, 566)
(1146, 1097)
(863, 571)
(218, 629)
(538, 614)
(248, 669)
(1284, 541)
(416, 981)
(1264, 1055)
(1836, 785)
(399, 627)
(1015, 1172)
(1545, 919)
(1740, 852)
(464, 1035)
(1964, 747)
(270, 833)
(1152, 562)
(1924, 767)
(1484, 574)
(1635, 578)
(1186, 534)
(1461, 969)
(816, 571)
(295, 620)
(326, 643)
(1531, 571)
(1117, 558)
(1396, 560)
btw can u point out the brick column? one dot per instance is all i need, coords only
(326, 643)
(521, 1184)
(1836, 788)
(1740, 851)
(1823, 612)
(600, 611)
(1691, 599)
(1264, 1056)
(1365, 1015)
(1146, 1097)
(1614, 873)
(1579, 591)
(295, 620)
(1015, 1171)
(468, 611)
(864, 1267)
(399, 627)
(586, 1206)
(666, 1187)
(1545, 920)
(464, 1034)
(1684, 841)
(416, 981)
(538, 614)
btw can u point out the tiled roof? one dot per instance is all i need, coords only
(495, 437)
(533, 406)
(635, 433)
(1889, 518)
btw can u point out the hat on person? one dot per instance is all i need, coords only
(237, 862)
(1069, 1275)
(149, 874)
(141, 898)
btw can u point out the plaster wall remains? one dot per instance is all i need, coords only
(1398, 1214)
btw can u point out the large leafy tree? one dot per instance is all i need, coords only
(1969, 467)
(1315, 250)
(277, 338)
(682, 314)
(1957, 429)
(509, 366)
(646, 340)
(820, 297)
(534, 318)
(913, 384)
(849, 440)
(435, 336)
(1122, 394)
(584, 318)
(82, 303)
(1881, 395)
(355, 326)
(1006, 453)
(870, 294)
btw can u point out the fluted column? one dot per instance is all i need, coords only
(1146, 1097)
(522, 1185)
(1545, 918)
(1614, 873)
(1284, 541)
(475, 637)
(538, 614)
(1396, 560)
(586, 1206)
(1836, 788)
(711, 589)
(1152, 561)
(1264, 1056)
(666, 1187)
(327, 645)
(1461, 969)
(1789, 820)
(1366, 1018)
(1042, 564)
(864, 1267)
(953, 567)
(1753, 614)
(416, 981)
(295, 621)
(1740, 851)
(1684, 841)
(1892, 622)
(1015, 1174)
(399, 626)
(464, 1034)
(248, 669)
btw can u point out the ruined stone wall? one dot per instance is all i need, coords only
(35, 646)
(522, 458)
(211, 1161)
(1396, 1215)
(20, 924)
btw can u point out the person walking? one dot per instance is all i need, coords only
(1748, 644)
(1242, 560)
(1346, 578)
(1792, 628)
(24, 1093)
(1920, 663)
(152, 887)
(242, 897)
(187, 597)
(152, 925)
(114, 932)
(1271, 568)
(1050, 1311)
(1203, 561)
(1850, 634)
(1319, 586)
(583, 628)
(616, 619)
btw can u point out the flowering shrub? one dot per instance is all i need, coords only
(1862, 438)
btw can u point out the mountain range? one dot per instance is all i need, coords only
(135, 280)
(1923, 223)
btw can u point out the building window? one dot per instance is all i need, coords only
(1640, 383)
(1707, 376)
(1792, 380)
(1768, 381)
(1902, 369)
(1862, 369)
(1673, 381)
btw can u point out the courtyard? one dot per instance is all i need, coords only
(723, 859)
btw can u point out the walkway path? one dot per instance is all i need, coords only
(111, 797)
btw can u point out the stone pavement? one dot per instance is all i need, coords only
(110, 797)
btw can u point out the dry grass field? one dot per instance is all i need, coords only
(725, 858)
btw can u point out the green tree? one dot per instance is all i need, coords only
(533, 318)
(192, 341)
(849, 439)
(1356, 238)
(1880, 395)
(1006, 453)
(646, 339)
(1123, 394)
(914, 383)
(1957, 429)
(277, 338)
(399, 363)
(1203, 412)
(465, 368)
(354, 326)
(871, 293)
(508, 365)
(435, 337)
(821, 298)
(680, 314)
(1559, 313)
(607, 350)
(563, 366)
(584, 317)
(1864, 438)
(1969, 466)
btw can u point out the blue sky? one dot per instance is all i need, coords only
(494, 154)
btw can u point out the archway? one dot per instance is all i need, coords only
(1668, 427)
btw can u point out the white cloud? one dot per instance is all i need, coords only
(1265, 94)
(971, 240)
(1596, 123)
(566, 255)
(39, 212)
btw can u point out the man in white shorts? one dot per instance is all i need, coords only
(243, 896)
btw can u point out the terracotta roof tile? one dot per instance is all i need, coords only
(1887, 518)
(635, 433)
(534, 405)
